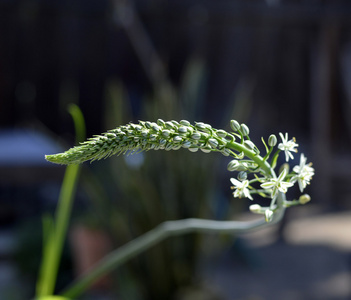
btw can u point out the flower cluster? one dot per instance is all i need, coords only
(271, 185)
(173, 135)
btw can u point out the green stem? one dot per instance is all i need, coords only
(55, 242)
(158, 234)
(264, 165)
(56, 234)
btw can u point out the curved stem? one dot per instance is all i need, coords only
(161, 232)
(264, 165)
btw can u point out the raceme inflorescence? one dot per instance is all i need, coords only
(256, 174)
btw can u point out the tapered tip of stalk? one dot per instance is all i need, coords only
(59, 158)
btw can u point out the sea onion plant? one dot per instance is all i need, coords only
(256, 177)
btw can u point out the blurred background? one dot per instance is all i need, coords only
(278, 66)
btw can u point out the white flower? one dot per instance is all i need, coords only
(277, 184)
(303, 172)
(241, 188)
(303, 168)
(287, 146)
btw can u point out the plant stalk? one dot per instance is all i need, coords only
(160, 233)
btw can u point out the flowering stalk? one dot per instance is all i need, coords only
(173, 135)
(256, 176)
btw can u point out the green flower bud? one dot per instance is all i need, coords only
(144, 133)
(184, 122)
(244, 129)
(200, 125)
(213, 142)
(242, 175)
(169, 147)
(148, 124)
(233, 165)
(182, 129)
(160, 122)
(242, 166)
(177, 139)
(196, 136)
(234, 125)
(304, 199)
(250, 145)
(193, 148)
(155, 127)
(170, 125)
(186, 144)
(153, 137)
(206, 149)
(221, 133)
(225, 152)
(272, 140)
(166, 133)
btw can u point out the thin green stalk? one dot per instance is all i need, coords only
(56, 234)
(53, 249)
(160, 233)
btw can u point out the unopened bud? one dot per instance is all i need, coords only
(250, 145)
(200, 125)
(304, 199)
(206, 149)
(184, 122)
(233, 165)
(225, 152)
(166, 133)
(193, 149)
(160, 122)
(213, 142)
(234, 125)
(255, 208)
(177, 139)
(182, 129)
(144, 133)
(242, 175)
(169, 125)
(268, 215)
(196, 136)
(272, 140)
(148, 124)
(221, 133)
(155, 127)
(244, 129)
(186, 144)
(169, 147)
(153, 137)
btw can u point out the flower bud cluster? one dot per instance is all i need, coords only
(173, 135)
(160, 135)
